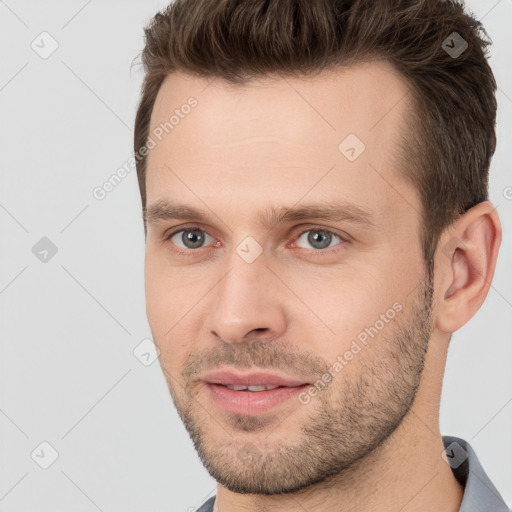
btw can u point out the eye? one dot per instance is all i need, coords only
(318, 238)
(190, 238)
(321, 240)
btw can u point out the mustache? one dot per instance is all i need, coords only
(263, 354)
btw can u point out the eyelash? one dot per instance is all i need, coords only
(313, 252)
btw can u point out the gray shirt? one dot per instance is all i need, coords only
(480, 495)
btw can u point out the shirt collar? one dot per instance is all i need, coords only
(480, 495)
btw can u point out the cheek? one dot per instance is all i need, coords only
(158, 303)
(164, 301)
(171, 296)
(341, 304)
(168, 332)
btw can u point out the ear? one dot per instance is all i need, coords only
(466, 259)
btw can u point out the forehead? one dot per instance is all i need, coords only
(333, 134)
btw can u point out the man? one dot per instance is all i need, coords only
(314, 185)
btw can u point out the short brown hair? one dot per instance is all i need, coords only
(446, 152)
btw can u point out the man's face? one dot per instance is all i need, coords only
(294, 297)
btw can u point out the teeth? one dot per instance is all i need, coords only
(237, 387)
(261, 388)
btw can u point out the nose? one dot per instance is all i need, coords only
(248, 302)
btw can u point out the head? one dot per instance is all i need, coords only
(314, 181)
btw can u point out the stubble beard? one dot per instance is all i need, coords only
(350, 421)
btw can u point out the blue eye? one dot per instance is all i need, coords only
(191, 238)
(319, 238)
(321, 241)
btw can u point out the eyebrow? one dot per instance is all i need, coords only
(338, 212)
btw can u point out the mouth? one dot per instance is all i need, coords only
(237, 387)
(251, 394)
(250, 402)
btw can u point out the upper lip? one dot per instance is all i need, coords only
(229, 377)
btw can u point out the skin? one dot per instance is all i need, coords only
(370, 440)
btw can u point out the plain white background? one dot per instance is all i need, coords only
(69, 325)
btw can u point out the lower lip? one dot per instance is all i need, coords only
(251, 403)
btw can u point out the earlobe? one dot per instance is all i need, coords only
(467, 261)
